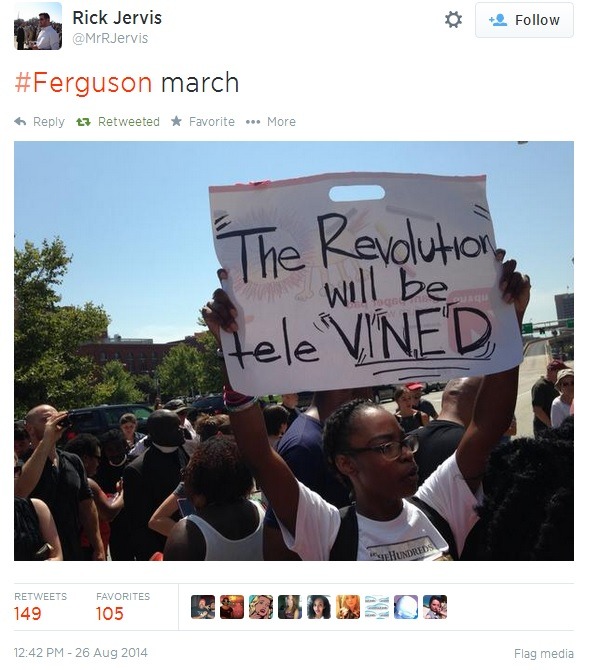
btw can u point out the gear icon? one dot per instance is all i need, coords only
(453, 19)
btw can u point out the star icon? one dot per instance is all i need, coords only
(176, 121)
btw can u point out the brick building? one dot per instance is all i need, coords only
(138, 356)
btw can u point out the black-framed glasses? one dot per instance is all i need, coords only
(391, 451)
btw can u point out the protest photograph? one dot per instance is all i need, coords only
(305, 351)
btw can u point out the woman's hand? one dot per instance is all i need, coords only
(220, 313)
(515, 287)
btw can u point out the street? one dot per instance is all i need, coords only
(531, 369)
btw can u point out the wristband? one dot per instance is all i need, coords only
(237, 402)
(231, 409)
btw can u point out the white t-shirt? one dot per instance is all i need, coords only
(191, 445)
(409, 537)
(138, 448)
(48, 38)
(559, 411)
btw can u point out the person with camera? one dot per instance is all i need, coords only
(59, 479)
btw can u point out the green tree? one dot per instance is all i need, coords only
(181, 371)
(212, 372)
(147, 387)
(116, 386)
(213, 378)
(47, 334)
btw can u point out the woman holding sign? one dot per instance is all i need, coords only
(366, 445)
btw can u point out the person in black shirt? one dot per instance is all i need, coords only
(58, 478)
(150, 478)
(439, 438)
(543, 395)
(408, 417)
(226, 611)
(419, 402)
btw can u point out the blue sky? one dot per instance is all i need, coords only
(135, 215)
(29, 10)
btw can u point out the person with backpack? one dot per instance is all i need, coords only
(367, 447)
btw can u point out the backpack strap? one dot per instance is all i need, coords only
(345, 547)
(439, 522)
(347, 540)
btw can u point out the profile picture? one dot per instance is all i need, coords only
(288, 607)
(435, 607)
(38, 26)
(318, 607)
(377, 607)
(261, 607)
(231, 607)
(405, 607)
(348, 607)
(203, 607)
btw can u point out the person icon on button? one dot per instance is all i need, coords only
(499, 20)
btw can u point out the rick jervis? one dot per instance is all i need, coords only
(100, 18)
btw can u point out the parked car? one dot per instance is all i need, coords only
(98, 420)
(209, 404)
(382, 393)
(379, 394)
(430, 387)
(304, 400)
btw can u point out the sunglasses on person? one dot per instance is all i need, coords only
(390, 451)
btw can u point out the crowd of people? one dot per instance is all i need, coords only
(344, 480)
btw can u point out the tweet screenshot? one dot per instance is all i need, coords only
(294, 333)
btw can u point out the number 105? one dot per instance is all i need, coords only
(109, 613)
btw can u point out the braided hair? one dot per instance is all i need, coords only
(528, 508)
(337, 430)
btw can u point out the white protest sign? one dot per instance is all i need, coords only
(361, 293)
